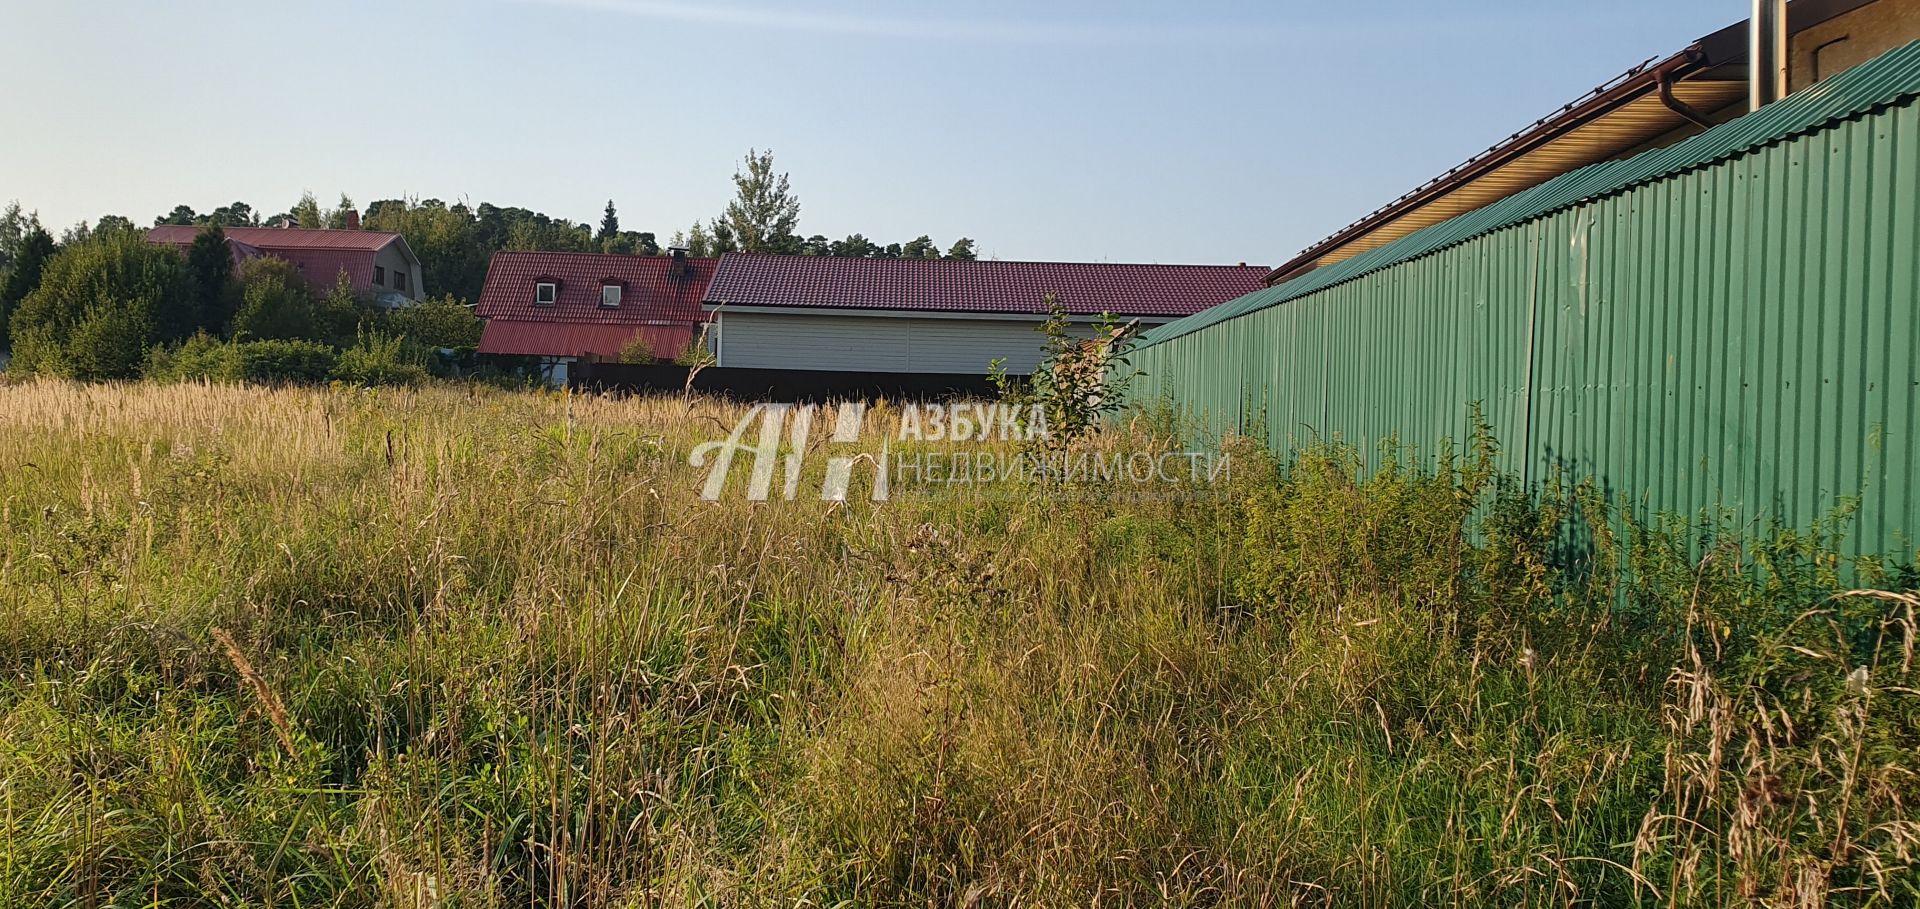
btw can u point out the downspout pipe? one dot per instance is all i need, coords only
(1670, 74)
(1766, 53)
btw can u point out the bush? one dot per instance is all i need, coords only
(201, 357)
(337, 317)
(274, 302)
(696, 353)
(284, 361)
(378, 360)
(436, 323)
(274, 362)
(637, 350)
(109, 342)
(1075, 380)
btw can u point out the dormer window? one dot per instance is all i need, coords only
(610, 293)
(545, 292)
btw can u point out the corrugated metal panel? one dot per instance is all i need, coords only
(1889, 79)
(1740, 333)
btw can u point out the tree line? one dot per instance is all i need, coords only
(104, 303)
(456, 241)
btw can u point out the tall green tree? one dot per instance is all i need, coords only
(239, 214)
(920, 247)
(15, 225)
(210, 266)
(109, 224)
(724, 240)
(275, 302)
(336, 217)
(695, 240)
(99, 304)
(764, 211)
(449, 241)
(609, 224)
(855, 246)
(23, 277)
(181, 214)
(306, 212)
(962, 249)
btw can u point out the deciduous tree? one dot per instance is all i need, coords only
(764, 212)
(274, 302)
(29, 261)
(920, 247)
(99, 304)
(181, 214)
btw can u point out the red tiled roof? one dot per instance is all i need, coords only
(320, 255)
(652, 293)
(276, 239)
(956, 285)
(573, 339)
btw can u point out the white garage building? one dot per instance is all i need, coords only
(949, 316)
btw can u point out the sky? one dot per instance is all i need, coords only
(1204, 131)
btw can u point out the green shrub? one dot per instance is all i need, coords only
(695, 353)
(379, 360)
(109, 342)
(201, 357)
(637, 350)
(436, 323)
(274, 302)
(338, 315)
(284, 361)
(275, 362)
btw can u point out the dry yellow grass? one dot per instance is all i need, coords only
(456, 646)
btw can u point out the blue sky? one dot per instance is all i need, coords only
(1123, 130)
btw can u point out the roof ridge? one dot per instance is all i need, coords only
(876, 259)
(596, 255)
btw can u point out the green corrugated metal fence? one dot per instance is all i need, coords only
(1734, 327)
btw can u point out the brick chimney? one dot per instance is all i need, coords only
(353, 219)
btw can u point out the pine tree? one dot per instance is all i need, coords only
(609, 224)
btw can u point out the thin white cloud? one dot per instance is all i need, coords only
(928, 28)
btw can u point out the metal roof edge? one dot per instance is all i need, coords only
(1891, 78)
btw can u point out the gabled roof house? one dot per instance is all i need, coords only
(946, 316)
(564, 306)
(376, 263)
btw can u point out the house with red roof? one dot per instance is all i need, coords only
(378, 265)
(560, 307)
(948, 316)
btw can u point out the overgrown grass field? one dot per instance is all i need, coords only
(465, 647)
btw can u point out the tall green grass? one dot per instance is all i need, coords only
(463, 647)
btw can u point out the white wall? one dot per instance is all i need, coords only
(830, 341)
